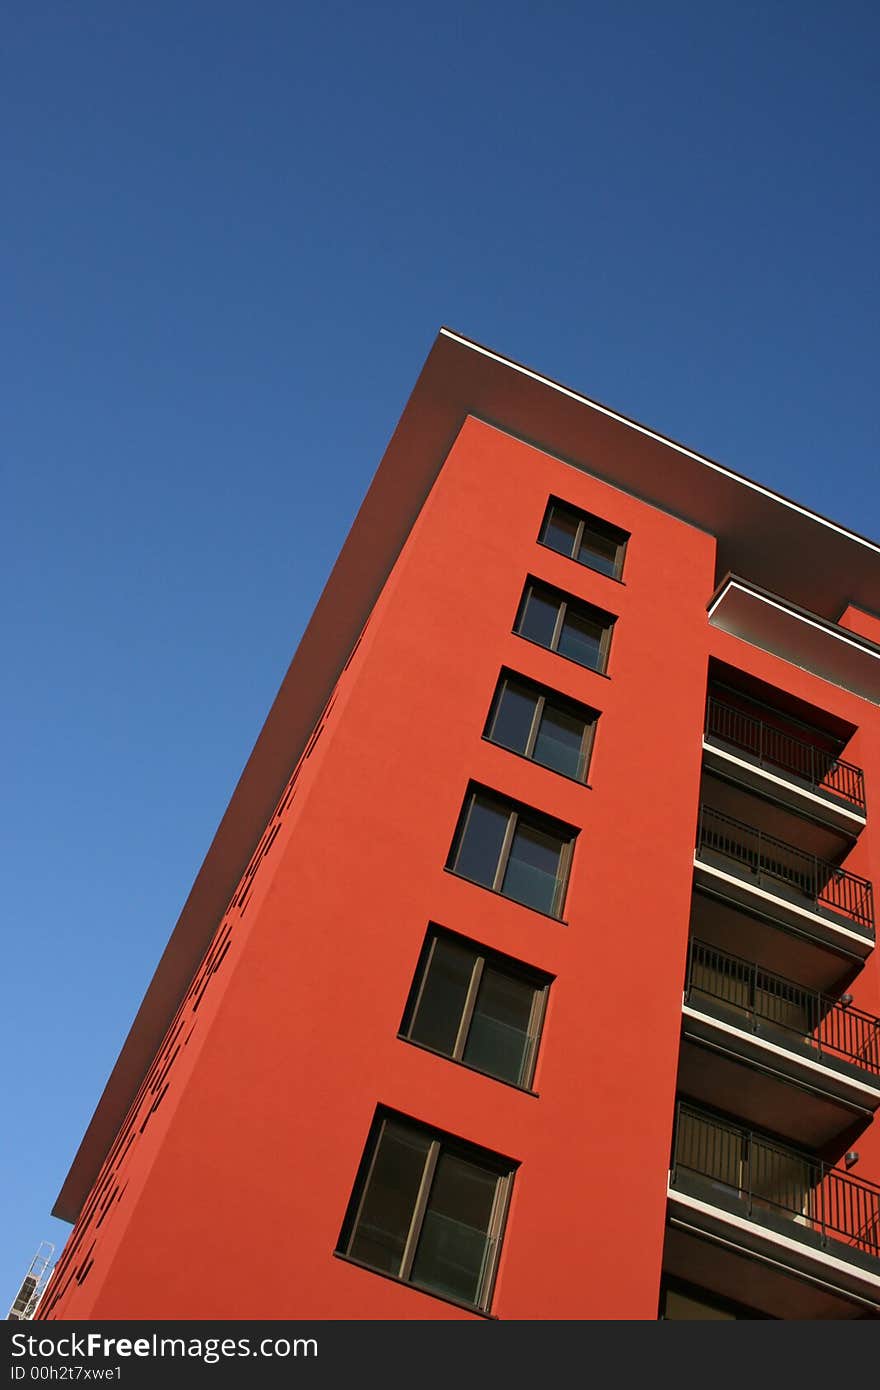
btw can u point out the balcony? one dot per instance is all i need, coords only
(802, 777)
(775, 1053)
(731, 927)
(839, 655)
(794, 889)
(778, 1229)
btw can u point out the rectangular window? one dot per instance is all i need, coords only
(513, 850)
(565, 625)
(541, 725)
(428, 1209)
(583, 537)
(476, 1007)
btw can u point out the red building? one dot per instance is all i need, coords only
(530, 972)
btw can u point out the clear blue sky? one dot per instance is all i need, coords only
(229, 235)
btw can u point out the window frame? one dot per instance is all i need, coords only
(516, 811)
(439, 1142)
(566, 602)
(484, 956)
(586, 522)
(544, 695)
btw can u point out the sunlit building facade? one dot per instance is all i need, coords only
(531, 972)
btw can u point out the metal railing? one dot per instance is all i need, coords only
(763, 1176)
(811, 877)
(811, 764)
(822, 1023)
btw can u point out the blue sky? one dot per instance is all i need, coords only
(230, 233)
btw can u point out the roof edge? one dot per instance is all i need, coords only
(723, 469)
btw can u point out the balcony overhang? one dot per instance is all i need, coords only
(769, 1082)
(845, 821)
(797, 1249)
(728, 926)
(814, 643)
(819, 924)
(739, 1264)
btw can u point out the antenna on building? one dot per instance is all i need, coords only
(33, 1284)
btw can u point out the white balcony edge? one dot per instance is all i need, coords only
(829, 629)
(813, 918)
(752, 1228)
(753, 1041)
(820, 802)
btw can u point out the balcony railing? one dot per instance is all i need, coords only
(818, 768)
(739, 1168)
(772, 1003)
(808, 876)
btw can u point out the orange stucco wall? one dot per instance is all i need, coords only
(865, 624)
(226, 1189)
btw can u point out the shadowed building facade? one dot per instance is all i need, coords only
(530, 973)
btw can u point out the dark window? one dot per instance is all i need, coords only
(428, 1209)
(689, 1303)
(583, 537)
(477, 1007)
(541, 725)
(564, 624)
(513, 850)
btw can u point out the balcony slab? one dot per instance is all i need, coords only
(761, 894)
